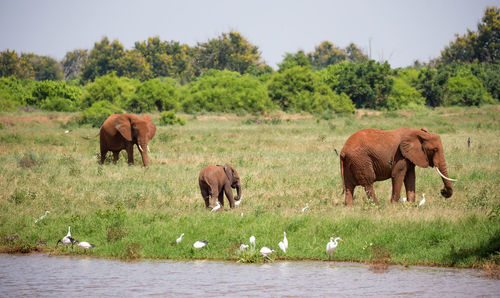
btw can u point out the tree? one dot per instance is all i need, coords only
(73, 63)
(355, 54)
(482, 45)
(466, 91)
(133, 65)
(158, 94)
(326, 54)
(103, 59)
(230, 51)
(111, 88)
(13, 65)
(293, 60)
(44, 67)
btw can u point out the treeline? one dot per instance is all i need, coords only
(227, 74)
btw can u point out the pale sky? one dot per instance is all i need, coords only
(399, 31)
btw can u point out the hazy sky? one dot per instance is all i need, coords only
(400, 31)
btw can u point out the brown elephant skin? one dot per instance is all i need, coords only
(122, 132)
(371, 155)
(215, 181)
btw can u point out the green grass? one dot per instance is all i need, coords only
(284, 161)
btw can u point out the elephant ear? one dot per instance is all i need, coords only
(122, 124)
(412, 149)
(151, 126)
(229, 173)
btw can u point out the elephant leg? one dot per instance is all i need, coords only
(130, 153)
(116, 155)
(397, 176)
(370, 192)
(221, 199)
(410, 182)
(229, 194)
(103, 155)
(205, 195)
(349, 193)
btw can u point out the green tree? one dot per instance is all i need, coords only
(226, 91)
(44, 67)
(73, 63)
(368, 84)
(293, 60)
(11, 64)
(111, 88)
(103, 59)
(326, 54)
(158, 94)
(466, 91)
(230, 51)
(355, 54)
(403, 96)
(482, 45)
(133, 65)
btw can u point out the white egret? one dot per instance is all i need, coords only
(285, 241)
(67, 131)
(282, 246)
(403, 199)
(243, 247)
(422, 202)
(305, 208)
(200, 244)
(252, 241)
(237, 203)
(265, 251)
(67, 240)
(330, 247)
(43, 216)
(178, 240)
(217, 207)
(84, 244)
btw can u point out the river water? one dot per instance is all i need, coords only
(44, 275)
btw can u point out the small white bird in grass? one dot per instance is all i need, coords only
(265, 251)
(43, 216)
(403, 199)
(85, 245)
(252, 241)
(178, 240)
(305, 208)
(67, 131)
(217, 207)
(243, 247)
(330, 247)
(67, 240)
(200, 244)
(237, 203)
(422, 202)
(282, 246)
(285, 241)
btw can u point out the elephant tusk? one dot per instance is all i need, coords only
(140, 148)
(148, 148)
(444, 177)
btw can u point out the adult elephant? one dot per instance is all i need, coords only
(215, 181)
(122, 131)
(371, 155)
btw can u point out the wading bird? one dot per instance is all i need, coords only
(237, 203)
(305, 208)
(67, 240)
(43, 216)
(243, 247)
(252, 241)
(200, 244)
(265, 251)
(217, 207)
(422, 202)
(84, 244)
(330, 247)
(178, 240)
(285, 241)
(281, 245)
(403, 199)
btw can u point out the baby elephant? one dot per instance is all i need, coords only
(215, 180)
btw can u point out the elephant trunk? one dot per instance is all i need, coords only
(238, 191)
(144, 155)
(447, 191)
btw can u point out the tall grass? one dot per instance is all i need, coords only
(284, 161)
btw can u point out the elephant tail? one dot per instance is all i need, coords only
(342, 157)
(88, 138)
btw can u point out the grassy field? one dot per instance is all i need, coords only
(284, 161)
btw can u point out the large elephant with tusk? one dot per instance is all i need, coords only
(371, 155)
(123, 131)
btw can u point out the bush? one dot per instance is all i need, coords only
(226, 91)
(110, 88)
(169, 118)
(466, 91)
(14, 93)
(154, 95)
(97, 113)
(300, 89)
(403, 96)
(48, 94)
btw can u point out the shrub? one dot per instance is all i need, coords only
(403, 96)
(14, 93)
(48, 94)
(226, 91)
(97, 113)
(169, 118)
(110, 88)
(154, 95)
(466, 91)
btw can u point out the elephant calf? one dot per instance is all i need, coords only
(215, 181)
